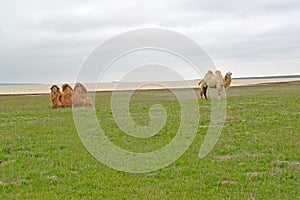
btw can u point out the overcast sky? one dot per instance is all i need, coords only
(47, 41)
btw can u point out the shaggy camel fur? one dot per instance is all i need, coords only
(67, 93)
(212, 81)
(203, 88)
(215, 81)
(227, 80)
(55, 96)
(80, 96)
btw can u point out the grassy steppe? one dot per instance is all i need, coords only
(257, 155)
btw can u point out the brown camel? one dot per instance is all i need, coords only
(80, 96)
(55, 96)
(227, 80)
(67, 94)
(203, 88)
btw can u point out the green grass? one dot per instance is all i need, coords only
(257, 155)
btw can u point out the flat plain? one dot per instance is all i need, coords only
(257, 155)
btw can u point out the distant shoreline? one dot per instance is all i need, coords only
(268, 77)
(44, 89)
(238, 78)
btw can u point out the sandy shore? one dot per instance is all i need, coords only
(44, 89)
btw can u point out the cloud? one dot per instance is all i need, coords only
(47, 37)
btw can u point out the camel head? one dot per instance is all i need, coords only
(227, 80)
(229, 74)
(54, 88)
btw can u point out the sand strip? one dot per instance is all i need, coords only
(44, 89)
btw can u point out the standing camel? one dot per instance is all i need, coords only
(216, 80)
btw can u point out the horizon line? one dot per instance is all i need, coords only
(235, 78)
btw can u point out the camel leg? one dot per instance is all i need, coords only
(205, 90)
(202, 92)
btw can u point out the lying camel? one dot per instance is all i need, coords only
(80, 96)
(67, 93)
(55, 96)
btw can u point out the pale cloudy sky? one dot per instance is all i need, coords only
(47, 41)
